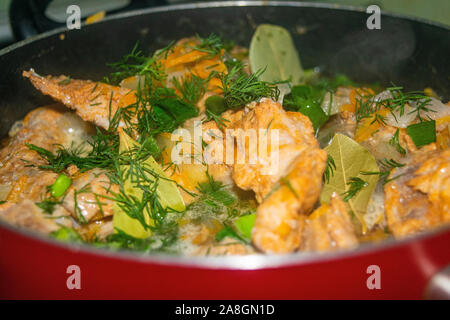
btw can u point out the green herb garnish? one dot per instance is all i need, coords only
(422, 133)
(60, 186)
(356, 185)
(240, 88)
(394, 141)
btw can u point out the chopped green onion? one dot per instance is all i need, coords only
(422, 133)
(60, 186)
(244, 225)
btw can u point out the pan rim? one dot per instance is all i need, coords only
(222, 4)
(250, 262)
(246, 262)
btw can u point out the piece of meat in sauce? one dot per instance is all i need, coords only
(29, 216)
(95, 102)
(329, 227)
(287, 188)
(418, 197)
(89, 197)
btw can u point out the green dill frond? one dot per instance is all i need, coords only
(240, 88)
(212, 45)
(387, 166)
(395, 142)
(136, 63)
(356, 185)
(391, 164)
(329, 169)
(192, 88)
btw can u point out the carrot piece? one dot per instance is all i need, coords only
(186, 58)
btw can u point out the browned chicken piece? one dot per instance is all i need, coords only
(278, 224)
(16, 157)
(20, 177)
(95, 102)
(286, 187)
(88, 198)
(328, 228)
(291, 186)
(433, 179)
(295, 136)
(27, 215)
(32, 186)
(418, 198)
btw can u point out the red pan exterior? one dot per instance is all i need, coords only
(35, 269)
(32, 268)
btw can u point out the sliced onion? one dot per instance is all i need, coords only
(132, 82)
(340, 97)
(436, 111)
(395, 119)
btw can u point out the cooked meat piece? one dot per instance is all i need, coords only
(433, 179)
(32, 187)
(27, 215)
(418, 198)
(278, 225)
(87, 198)
(16, 157)
(95, 102)
(20, 177)
(285, 189)
(295, 136)
(328, 228)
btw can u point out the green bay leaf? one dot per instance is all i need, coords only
(350, 158)
(272, 48)
(167, 191)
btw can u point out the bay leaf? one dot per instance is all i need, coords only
(167, 191)
(272, 48)
(350, 158)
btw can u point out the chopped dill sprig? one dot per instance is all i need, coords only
(136, 63)
(329, 169)
(212, 45)
(240, 88)
(387, 167)
(415, 99)
(192, 87)
(356, 185)
(367, 104)
(395, 142)
(391, 164)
